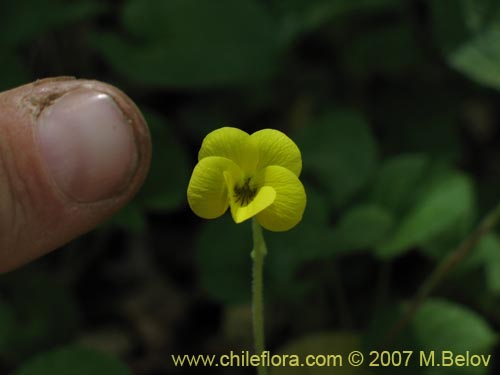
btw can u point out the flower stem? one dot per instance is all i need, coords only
(258, 254)
(443, 269)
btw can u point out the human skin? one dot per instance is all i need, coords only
(72, 152)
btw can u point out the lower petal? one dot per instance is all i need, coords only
(262, 200)
(288, 207)
(207, 190)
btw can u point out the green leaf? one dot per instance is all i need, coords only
(479, 14)
(381, 324)
(289, 251)
(364, 57)
(341, 153)
(470, 38)
(223, 254)
(7, 325)
(46, 313)
(486, 255)
(223, 257)
(361, 227)
(302, 16)
(491, 251)
(444, 326)
(448, 24)
(445, 203)
(479, 58)
(165, 187)
(403, 182)
(74, 361)
(130, 217)
(200, 118)
(188, 43)
(437, 326)
(23, 20)
(394, 186)
(327, 343)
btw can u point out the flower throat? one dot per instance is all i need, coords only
(244, 194)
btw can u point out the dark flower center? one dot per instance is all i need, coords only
(244, 193)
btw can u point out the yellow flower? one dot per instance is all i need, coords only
(255, 175)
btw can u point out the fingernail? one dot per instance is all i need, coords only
(87, 145)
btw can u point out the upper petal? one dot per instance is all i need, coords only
(207, 191)
(233, 144)
(275, 148)
(290, 202)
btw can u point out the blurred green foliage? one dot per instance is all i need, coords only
(469, 34)
(340, 343)
(440, 326)
(168, 40)
(77, 361)
(394, 106)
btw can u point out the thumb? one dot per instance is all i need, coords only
(72, 152)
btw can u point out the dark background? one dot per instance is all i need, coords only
(395, 107)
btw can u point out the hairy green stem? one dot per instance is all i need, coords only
(443, 269)
(258, 254)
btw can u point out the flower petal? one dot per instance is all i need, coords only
(275, 148)
(263, 199)
(207, 190)
(233, 144)
(290, 202)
